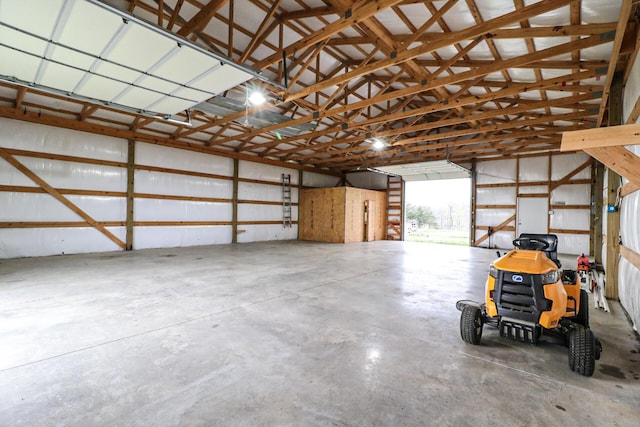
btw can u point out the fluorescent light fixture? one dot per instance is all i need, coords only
(257, 98)
(88, 50)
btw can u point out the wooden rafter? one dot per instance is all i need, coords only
(392, 69)
(261, 34)
(366, 10)
(468, 34)
(202, 18)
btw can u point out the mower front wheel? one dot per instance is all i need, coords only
(471, 324)
(582, 350)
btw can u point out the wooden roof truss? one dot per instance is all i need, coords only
(454, 79)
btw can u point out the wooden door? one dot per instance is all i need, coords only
(369, 220)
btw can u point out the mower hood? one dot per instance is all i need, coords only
(525, 261)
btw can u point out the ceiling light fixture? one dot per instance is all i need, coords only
(257, 98)
(378, 144)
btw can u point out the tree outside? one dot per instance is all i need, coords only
(423, 215)
(438, 212)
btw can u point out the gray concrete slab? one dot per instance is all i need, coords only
(285, 333)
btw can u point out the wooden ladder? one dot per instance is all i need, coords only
(395, 203)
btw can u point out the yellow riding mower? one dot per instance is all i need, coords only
(528, 298)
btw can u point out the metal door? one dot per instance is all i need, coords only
(532, 215)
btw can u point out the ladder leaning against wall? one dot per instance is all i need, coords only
(395, 201)
(286, 201)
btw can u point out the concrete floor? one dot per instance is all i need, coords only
(285, 333)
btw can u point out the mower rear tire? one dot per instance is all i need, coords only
(471, 324)
(582, 350)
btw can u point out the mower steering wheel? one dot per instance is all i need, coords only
(531, 244)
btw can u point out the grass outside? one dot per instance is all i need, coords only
(446, 237)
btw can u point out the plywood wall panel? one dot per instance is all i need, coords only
(322, 213)
(337, 214)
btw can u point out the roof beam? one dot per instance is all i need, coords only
(501, 33)
(480, 71)
(260, 35)
(202, 18)
(470, 33)
(364, 11)
(510, 90)
(465, 132)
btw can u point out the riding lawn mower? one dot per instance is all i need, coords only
(528, 298)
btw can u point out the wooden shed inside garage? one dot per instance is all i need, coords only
(342, 215)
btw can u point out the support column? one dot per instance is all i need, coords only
(300, 181)
(613, 182)
(472, 213)
(131, 170)
(596, 224)
(612, 236)
(234, 213)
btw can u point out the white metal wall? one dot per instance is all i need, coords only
(167, 191)
(247, 212)
(499, 184)
(175, 184)
(23, 206)
(629, 274)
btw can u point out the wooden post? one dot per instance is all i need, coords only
(234, 213)
(597, 187)
(612, 237)
(131, 171)
(300, 181)
(549, 191)
(472, 222)
(613, 182)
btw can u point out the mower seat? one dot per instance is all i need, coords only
(552, 241)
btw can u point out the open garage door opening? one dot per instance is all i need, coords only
(437, 202)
